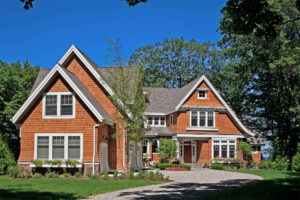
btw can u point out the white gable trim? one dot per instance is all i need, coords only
(73, 49)
(203, 78)
(41, 86)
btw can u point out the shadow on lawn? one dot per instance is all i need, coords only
(186, 190)
(21, 194)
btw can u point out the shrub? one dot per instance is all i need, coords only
(6, 157)
(167, 149)
(89, 174)
(263, 165)
(28, 175)
(296, 162)
(37, 175)
(205, 165)
(217, 166)
(77, 174)
(94, 177)
(38, 163)
(13, 171)
(159, 175)
(176, 169)
(151, 175)
(74, 163)
(115, 174)
(56, 162)
(106, 175)
(141, 174)
(280, 163)
(122, 175)
(67, 175)
(162, 166)
(52, 175)
(131, 174)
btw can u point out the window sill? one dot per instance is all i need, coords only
(202, 98)
(58, 117)
(191, 128)
(57, 166)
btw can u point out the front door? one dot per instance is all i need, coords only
(188, 153)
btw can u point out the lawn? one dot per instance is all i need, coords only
(47, 188)
(276, 185)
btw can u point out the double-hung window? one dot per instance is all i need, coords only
(59, 105)
(58, 146)
(146, 147)
(155, 145)
(156, 121)
(224, 148)
(202, 119)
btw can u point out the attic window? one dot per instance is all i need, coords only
(202, 93)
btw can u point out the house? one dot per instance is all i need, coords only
(69, 115)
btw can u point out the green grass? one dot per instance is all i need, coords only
(276, 185)
(47, 188)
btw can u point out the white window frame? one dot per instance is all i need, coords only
(58, 116)
(203, 128)
(159, 121)
(205, 90)
(171, 120)
(148, 147)
(220, 146)
(66, 144)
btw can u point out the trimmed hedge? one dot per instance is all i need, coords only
(163, 166)
(217, 166)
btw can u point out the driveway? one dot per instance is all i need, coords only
(186, 185)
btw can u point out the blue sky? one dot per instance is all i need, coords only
(43, 34)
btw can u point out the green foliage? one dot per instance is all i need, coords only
(218, 166)
(167, 149)
(280, 163)
(27, 175)
(52, 175)
(105, 175)
(122, 175)
(67, 175)
(37, 175)
(142, 174)
(6, 157)
(94, 177)
(56, 162)
(159, 175)
(151, 175)
(38, 163)
(13, 171)
(89, 174)
(296, 162)
(131, 174)
(264, 165)
(115, 174)
(162, 166)
(78, 174)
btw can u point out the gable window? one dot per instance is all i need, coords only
(58, 146)
(224, 148)
(59, 105)
(202, 119)
(201, 94)
(171, 120)
(157, 121)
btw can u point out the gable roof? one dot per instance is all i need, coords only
(42, 82)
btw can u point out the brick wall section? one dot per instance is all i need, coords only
(33, 123)
(256, 157)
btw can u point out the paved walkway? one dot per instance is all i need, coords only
(186, 185)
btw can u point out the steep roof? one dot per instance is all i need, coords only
(158, 131)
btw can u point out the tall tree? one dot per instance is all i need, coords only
(262, 42)
(16, 80)
(175, 62)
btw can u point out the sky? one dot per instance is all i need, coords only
(44, 33)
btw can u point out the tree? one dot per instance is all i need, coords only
(176, 62)
(167, 150)
(16, 81)
(246, 150)
(126, 82)
(269, 56)
(6, 157)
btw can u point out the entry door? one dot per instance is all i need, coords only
(188, 153)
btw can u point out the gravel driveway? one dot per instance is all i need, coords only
(186, 185)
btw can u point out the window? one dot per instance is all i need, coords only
(201, 94)
(59, 105)
(224, 148)
(74, 147)
(43, 147)
(202, 119)
(145, 147)
(157, 121)
(155, 145)
(58, 146)
(171, 120)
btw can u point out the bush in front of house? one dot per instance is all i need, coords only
(163, 166)
(78, 174)
(105, 175)
(280, 163)
(66, 175)
(6, 157)
(37, 175)
(296, 162)
(176, 169)
(13, 171)
(52, 175)
(167, 150)
(218, 166)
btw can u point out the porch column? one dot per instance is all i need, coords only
(177, 144)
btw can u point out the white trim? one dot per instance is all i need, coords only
(59, 116)
(205, 93)
(154, 114)
(65, 135)
(38, 90)
(193, 149)
(202, 128)
(73, 49)
(220, 146)
(159, 121)
(194, 128)
(148, 147)
(203, 78)
(195, 135)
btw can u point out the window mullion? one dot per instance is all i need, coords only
(58, 105)
(198, 118)
(50, 147)
(66, 148)
(206, 118)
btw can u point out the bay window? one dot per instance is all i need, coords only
(224, 148)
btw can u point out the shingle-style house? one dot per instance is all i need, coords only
(69, 115)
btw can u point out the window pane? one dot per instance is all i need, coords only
(156, 119)
(154, 146)
(162, 121)
(194, 118)
(224, 151)
(231, 151)
(145, 147)
(202, 119)
(66, 105)
(74, 147)
(210, 119)
(202, 94)
(150, 120)
(43, 147)
(58, 147)
(216, 151)
(51, 105)
(171, 119)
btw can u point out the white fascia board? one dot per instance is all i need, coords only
(194, 135)
(93, 71)
(203, 78)
(154, 114)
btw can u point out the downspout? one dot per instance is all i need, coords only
(94, 145)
